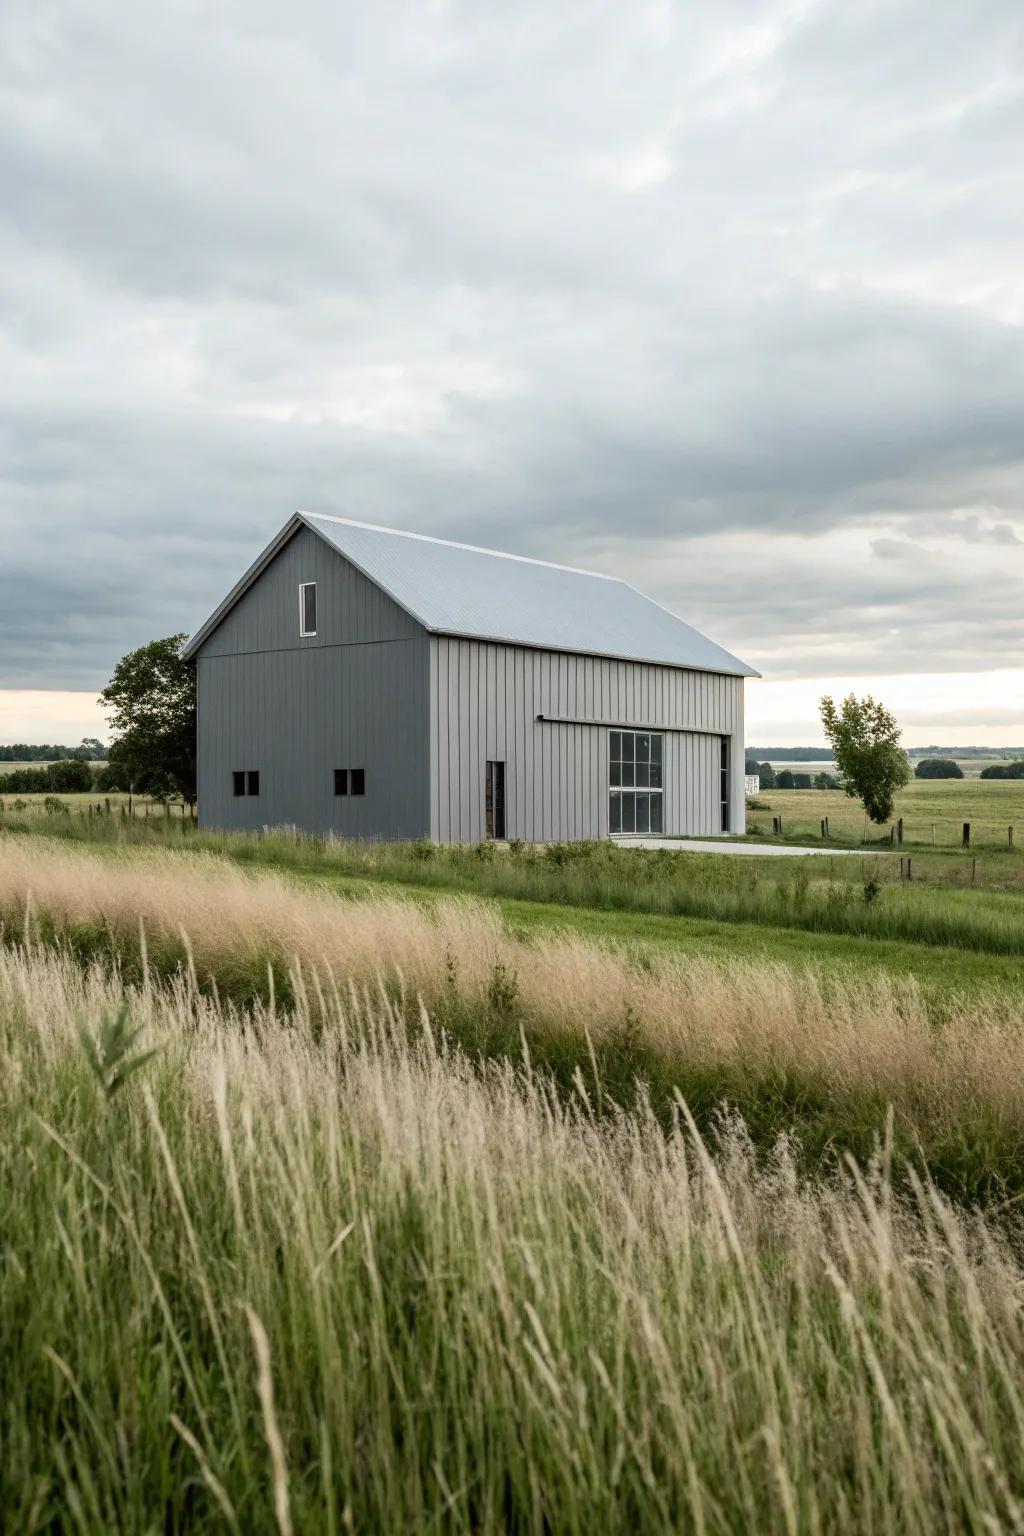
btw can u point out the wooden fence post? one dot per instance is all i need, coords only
(1009, 834)
(899, 830)
(824, 833)
(967, 834)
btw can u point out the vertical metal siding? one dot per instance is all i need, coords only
(352, 696)
(485, 699)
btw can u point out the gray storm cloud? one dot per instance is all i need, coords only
(728, 299)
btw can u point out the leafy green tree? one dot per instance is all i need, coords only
(938, 768)
(152, 702)
(767, 775)
(1014, 770)
(865, 741)
(785, 779)
(71, 777)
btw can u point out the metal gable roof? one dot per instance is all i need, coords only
(458, 589)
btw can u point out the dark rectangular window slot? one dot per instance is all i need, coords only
(307, 608)
(724, 789)
(358, 786)
(494, 800)
(252, 782)
(238, 783)
(350, 781)
(341, 781)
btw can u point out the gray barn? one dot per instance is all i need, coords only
(380, 684)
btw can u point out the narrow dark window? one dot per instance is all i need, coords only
(359, 781)
(307, 608)
(724, 783)
(252, 782)
(341, 781)
(238, 783)
(494, 800)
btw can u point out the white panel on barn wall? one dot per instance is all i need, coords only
(546, 752)
(476, 759)
(535, 751)
(493, 748)
(467, 724)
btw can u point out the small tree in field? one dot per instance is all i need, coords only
(865, 741)
(152, 702)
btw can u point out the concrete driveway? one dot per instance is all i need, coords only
(744, 850)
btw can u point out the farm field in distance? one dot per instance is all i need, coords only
(464, 1188)
(970, 766)
(926, 806)
(13, 767)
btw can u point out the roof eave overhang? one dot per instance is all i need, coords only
(259, 565)
(739, 668)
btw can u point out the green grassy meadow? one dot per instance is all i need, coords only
(933, 812)
(389, 1187)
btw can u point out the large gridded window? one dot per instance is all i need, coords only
(307, 608)
(635, 790)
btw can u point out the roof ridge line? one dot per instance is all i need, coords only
(476, 549)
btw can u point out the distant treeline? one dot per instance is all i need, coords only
(792, 754)
(786, 779)
(955, 752)
(70, 776)
(824, 754)
(90, 750)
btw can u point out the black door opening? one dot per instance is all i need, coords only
(494, 802)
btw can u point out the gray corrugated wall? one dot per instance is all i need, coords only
(352, 696)
(484, 703)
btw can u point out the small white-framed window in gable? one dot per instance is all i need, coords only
(307, 608)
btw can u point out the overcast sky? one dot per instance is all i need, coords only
(725, 298)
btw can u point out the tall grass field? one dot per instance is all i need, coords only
(324, 1212)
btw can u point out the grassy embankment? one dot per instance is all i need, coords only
(313, 1271)
(812, 1049)
(843, 897)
